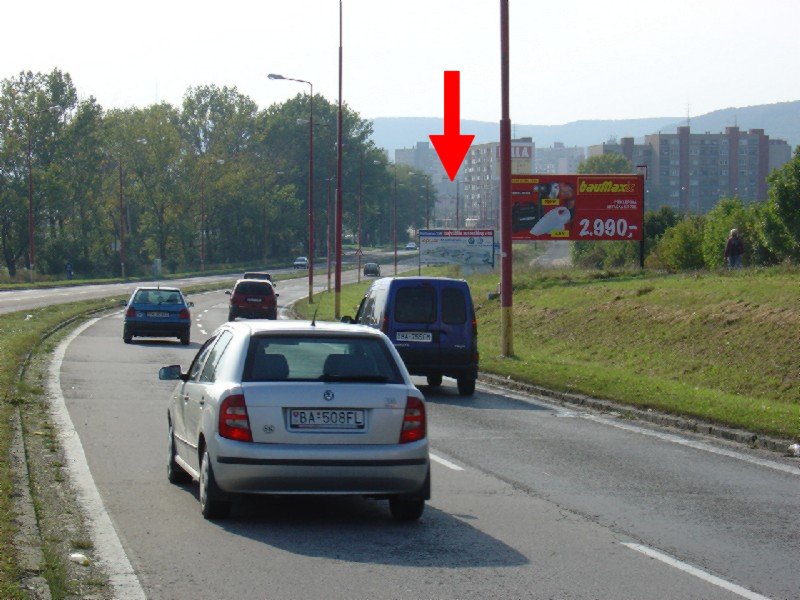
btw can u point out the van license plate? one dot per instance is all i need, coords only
(414, 336)
(310, 418)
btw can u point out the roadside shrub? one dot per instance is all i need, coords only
(727, 214)
(681, 246)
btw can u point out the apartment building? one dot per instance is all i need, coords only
(691, 172)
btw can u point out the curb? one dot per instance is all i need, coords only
(740, 436)
(28, 537)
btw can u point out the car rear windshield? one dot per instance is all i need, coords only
(255, 288)
(320, 358)
(158, 297)
(415, 305)
(454, 306)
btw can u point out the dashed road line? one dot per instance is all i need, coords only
(704, 575)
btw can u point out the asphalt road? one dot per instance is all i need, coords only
(530, 500)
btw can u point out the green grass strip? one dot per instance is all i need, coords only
(721, 347)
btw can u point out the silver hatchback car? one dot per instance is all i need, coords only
(291, 407)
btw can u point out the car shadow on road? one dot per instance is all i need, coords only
(361, 530)
(447, 395)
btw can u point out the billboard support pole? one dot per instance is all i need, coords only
(506, 325)
(643, 175)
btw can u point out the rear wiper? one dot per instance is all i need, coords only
(356, 378)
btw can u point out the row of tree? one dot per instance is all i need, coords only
(216, 179)
(770, 230)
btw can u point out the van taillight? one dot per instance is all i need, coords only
(233, 421)
(474, 327)
(414, 424)
(385, 324)
(131, 312)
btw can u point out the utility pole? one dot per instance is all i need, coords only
(506, 325)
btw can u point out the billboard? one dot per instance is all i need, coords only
(577, 207)
(466, 247)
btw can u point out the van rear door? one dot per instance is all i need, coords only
(455, 322)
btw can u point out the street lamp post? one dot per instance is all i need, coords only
(31, 239)
(328, 224)
(360, 194)
(275, 76)
(394, 218)
(121, 223)
(338, 239)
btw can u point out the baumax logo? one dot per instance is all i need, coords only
(606, 187)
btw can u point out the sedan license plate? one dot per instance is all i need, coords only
(313, 418)
(414, 336)
(158, 313)
(254, 299)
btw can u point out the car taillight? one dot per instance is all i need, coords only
(184, 314)
(413, 421)
(233, 421)
(131, 312)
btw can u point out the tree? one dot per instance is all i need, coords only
(33, 112)
(784, 197)
(605, 164)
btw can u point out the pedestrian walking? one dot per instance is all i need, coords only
(734, 249)
(68, 269)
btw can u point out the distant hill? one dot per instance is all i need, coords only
(781, 120)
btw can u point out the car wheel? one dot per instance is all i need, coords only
(210, 504)
(127, 335)
(404, 508)
(434, 380)
(175, 474)
(466, 386)
(186, 338)
(231, 315)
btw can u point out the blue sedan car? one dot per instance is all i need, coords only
(157, 312)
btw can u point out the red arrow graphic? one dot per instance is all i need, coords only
(452, 147)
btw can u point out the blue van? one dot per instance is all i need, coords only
(431, 322)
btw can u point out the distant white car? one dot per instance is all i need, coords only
(291, 407)
(301, 262)
(411, 246)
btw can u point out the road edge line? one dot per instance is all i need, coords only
(110, 552)
(699, 573)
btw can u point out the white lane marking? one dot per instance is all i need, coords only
(704, 575)
(203, 331)
(675, 439)
(445, 462)
(666, 437)
(205, 311)
(109, 548)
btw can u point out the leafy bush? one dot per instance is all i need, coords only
(681, 247)
(727, 214)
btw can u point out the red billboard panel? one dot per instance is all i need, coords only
(577, 207)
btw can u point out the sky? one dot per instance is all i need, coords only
(570, 59)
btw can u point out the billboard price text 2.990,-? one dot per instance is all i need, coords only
(577, 207)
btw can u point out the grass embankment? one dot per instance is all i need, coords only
(717, 346)
(19, 333)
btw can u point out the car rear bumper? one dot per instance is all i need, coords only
(150, 329)
(452, 363)
(242, 467)
(250, 313)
